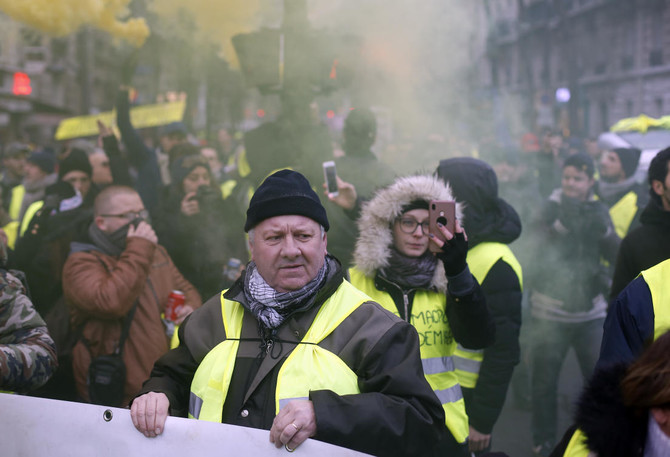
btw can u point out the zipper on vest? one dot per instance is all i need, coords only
(405, 299)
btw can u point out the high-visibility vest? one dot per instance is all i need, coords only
(12, 231)
(658, 281)
(18, 192)
(29, 214)
(623, 212)
(307, 368)
(481, 259)
(577, 446)
(437, 346)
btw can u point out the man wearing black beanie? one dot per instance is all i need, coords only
(308, 355)
(618, 188)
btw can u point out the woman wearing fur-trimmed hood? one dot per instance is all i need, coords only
(435, 292)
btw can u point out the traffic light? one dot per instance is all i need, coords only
(21, 84)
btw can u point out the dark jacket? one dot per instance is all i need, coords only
(200, 245)
(489, 219)
(396, 412)
(572, 237)
(643, 247)
(629, 324)
(611, 429)
(140, 156)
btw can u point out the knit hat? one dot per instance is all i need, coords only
(285, 192)
(183, 165)
(581, 162)
(174, 128)
(629, 158)
(76, 160)
(43, 159)
(415, 204)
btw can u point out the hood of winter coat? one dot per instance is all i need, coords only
(474, 182)
(373, 247)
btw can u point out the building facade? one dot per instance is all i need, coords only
(578, 65)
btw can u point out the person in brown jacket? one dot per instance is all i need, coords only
(120, 263)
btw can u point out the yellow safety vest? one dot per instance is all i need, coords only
(18, 193)
(436, 345)
(623, 212)
(12, 231)
(577, 446)
(29, 214)
(481, 259)
(658, 280)
(308, 367)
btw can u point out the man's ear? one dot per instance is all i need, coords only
(100, 223)
(658, 187)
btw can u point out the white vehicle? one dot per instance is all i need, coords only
(642, 132)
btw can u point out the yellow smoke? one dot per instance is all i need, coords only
(63, 17)
(217, 21)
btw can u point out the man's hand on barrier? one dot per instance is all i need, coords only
(293, 425)
(149, 412)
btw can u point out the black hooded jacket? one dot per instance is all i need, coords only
(610, 428)
(643, 247)
(489, 218)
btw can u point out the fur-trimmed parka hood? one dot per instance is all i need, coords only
(377, 216)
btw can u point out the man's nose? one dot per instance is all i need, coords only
(290, 247)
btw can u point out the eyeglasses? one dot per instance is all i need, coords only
(130, 215)
(409, 226)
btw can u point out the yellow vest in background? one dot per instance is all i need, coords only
(481, 259)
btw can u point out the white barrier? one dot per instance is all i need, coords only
(36, 427)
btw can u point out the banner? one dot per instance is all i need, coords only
(41, 427)
(140, 116)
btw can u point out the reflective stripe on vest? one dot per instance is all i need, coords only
(481, 259)
(437, 346)
(577, 446)
(658, 279)
(308, 367)
(623, 212)
(227, 188)
(29, 214)
(18, 193)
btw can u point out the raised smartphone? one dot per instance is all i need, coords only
(444, 212)
(330, 175)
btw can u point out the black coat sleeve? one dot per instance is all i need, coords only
(503, 298)
(469, 318)
(117, 163)
(396, 412)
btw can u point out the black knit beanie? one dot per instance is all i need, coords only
(285, 192)
(629, 158)
(44, 160)
(77, 159)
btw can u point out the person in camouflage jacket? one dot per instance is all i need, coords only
(27, 352)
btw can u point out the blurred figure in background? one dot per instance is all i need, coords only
(648, 244)
(198, 228)
(38, 175)
(617, 187)
(568, 305)
(360, 167)
(13, 162)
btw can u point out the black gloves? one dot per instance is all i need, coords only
(453, 254)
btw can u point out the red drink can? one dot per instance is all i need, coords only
(175, 301)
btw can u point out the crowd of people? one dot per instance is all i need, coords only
(347, 319)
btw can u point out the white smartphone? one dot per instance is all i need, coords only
(330, 174)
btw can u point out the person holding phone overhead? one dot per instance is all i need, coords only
(435, 292)
(119, 275)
